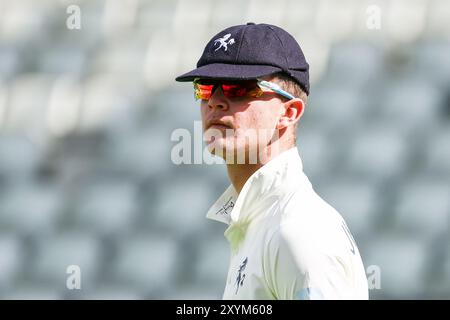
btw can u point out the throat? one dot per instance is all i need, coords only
(239, 174)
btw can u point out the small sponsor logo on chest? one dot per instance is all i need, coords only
(241, 275)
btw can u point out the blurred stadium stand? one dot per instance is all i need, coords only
(86, 118)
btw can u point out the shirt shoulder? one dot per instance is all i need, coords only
(304, 213)
(312, 244)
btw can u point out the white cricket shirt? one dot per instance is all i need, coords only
(287, 242)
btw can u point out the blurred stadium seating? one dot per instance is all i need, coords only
(86, 118)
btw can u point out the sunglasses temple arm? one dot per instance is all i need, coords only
(275, 88)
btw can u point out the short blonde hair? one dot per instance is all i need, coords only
(289, 85)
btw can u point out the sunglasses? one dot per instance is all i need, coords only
(204, 88)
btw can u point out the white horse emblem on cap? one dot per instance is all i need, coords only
(223, 42)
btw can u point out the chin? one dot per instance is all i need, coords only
(217, 148)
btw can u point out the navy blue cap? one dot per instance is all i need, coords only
(249, 51)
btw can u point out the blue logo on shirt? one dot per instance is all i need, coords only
(309, 294)
(241, 276)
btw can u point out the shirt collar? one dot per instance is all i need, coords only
(222, 208)
(259, 191)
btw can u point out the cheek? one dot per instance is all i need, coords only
(260, 118)
(203, 109)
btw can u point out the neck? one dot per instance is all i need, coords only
(239, 173)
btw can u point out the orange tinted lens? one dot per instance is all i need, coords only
(234, 90)
(230, 90)
(203, 91)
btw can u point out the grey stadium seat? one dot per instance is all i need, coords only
(336, 105)
(378, 152)
(11, 259)
(112, 292)
(19, 157)
(211, 266)
(438, 152)
(147, 262)
(423, 206)
(412, 103)
(181, 205)
(318, 156)
(34, 292)
(56, 253)
(402, 261)
(31, 208)
(349, 59)
(108, 207)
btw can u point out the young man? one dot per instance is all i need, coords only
(286, 242)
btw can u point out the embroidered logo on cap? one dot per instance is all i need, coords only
(223, 43)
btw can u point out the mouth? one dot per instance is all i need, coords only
(211, 136)
(218, 125)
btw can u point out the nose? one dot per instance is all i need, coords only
(218, 100)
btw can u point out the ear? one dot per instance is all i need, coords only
(293, 110)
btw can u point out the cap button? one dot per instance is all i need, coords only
(250, 23)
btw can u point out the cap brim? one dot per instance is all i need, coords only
(224, 71)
